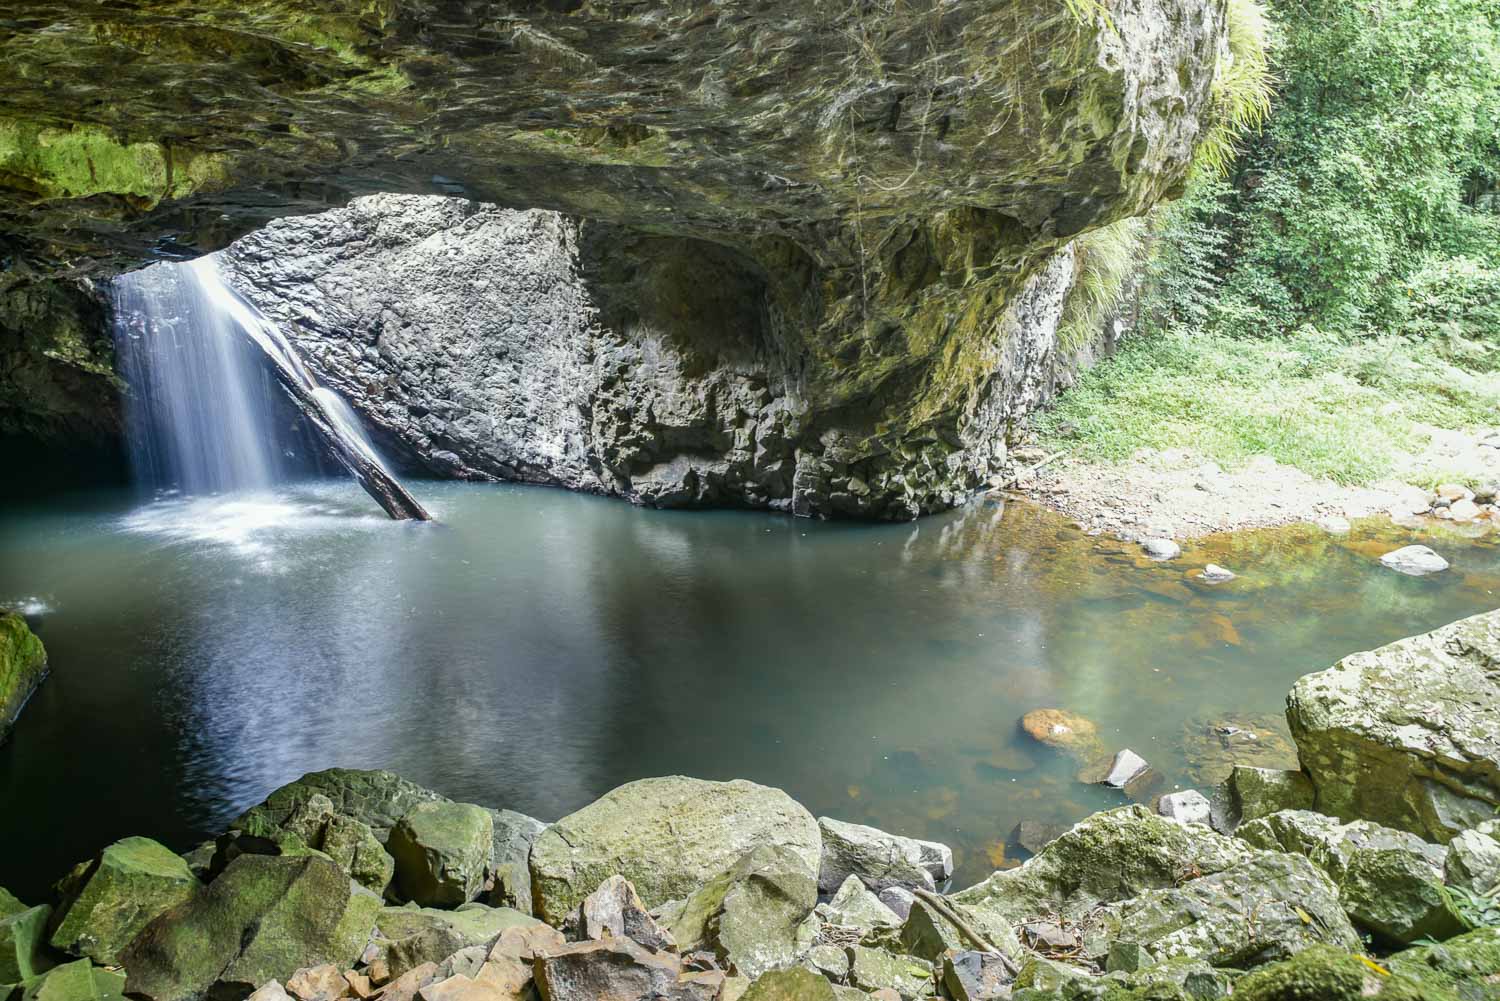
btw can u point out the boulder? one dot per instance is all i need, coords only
(1186, 807)
(23, 665)
(1325, 973)
(1032, 836)
(271, 990)
(756, 916)
(1107, 857)
(619, 968)
(792, 984)
(854, 906)
(668, 836)
(509, 881)
(263, 918)
(1414, 561)
(615, 911)
(76, 981)
(23, 941)
(928, 934)
(1407, 735)
(1161, 550)
(106, 902)
(9, 903)
(1466, 967)
(414, 936)
(976, 976)
(881, 859)
(1268, 907)
(899, 899)
(375, 798)
(1251, 793)
(1389, 882)
(876, 969)
(1064, 731)
(1042, 979)
(831, 961)
(442, 850)
(318, 983)
(1473, 862)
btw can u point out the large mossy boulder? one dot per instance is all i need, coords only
(1105, 858)
(23, 944)
(442, 851)
(377, 799)
(1324, 973)
(1466, 967)
(1407, 735)
(1389, 882)
(23, 665)
(1268, 907)
(754, 917)
(80, 980)
(104, 903)
(668, 836)
(263, 918)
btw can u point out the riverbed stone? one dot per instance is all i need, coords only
(104, 903)
(1466, 967)
(1107, 857)
(976, 976)
(508, 883)
(668, 836)
(615, 910)
(23, 944)
(756, 916)
(442, 850)
(854, 906)
(899, 899)
(414, 936)
(1389, 882)
(1414, 561)
(263, 918)
(1270, 906)
(79, 980)
(23, 665)
(1068, 732)
(1407, 735)
(1161, 550)
(880, 859)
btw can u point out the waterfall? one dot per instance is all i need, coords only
(203, 413)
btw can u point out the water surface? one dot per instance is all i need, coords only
(538, 648)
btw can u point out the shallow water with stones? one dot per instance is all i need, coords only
(537, 648)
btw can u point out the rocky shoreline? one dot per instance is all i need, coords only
(1372, 871)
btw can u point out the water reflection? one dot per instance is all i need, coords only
(538, 648)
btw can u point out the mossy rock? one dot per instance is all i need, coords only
(415, 935)
(1467, 966)
(106, 902)
(23, 944)
(80, 980)
(263, 918)
(442, 851)
(1323, 973)
(9, 903)
(23, 665)
(793, 984)
(377, 799)
(755, 917)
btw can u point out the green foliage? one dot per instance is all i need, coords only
(1243, 86)
(1377, 167)
(1105, 258)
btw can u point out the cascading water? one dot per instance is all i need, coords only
(203, 416)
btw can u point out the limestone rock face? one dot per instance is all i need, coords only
(1390, 882)
(668, 836)
(881, 859)
(850, 188)
(263, 918)
(441, 852)
(1406, 735)
(23, 665)
(107, 901)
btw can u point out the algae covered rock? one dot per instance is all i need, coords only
(23, 665)
(1105, 858)
(872, 969)
(412, 936)
(792, 984)
(442, 850)
(880, 859)
(1389, 881)
(106, 902)
(1323, 973)
(377, 799)
(668, 836)
(23, 944)
(1251, 793)
(509, 881)
(756, 916)
(76, 981)
(928, 933)
(1468, 967)
(1407, 735)
(263, 918)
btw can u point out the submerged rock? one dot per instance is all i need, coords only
(442, 851)
(1214, 745)
(880, 859)
(1074, 735)
(1414, 561)
(668, 836)
(1389, 882)
(106, 902)
(1407, 735)
(263, 918)
(1161, 550)
(23, 665)
(755, 917)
